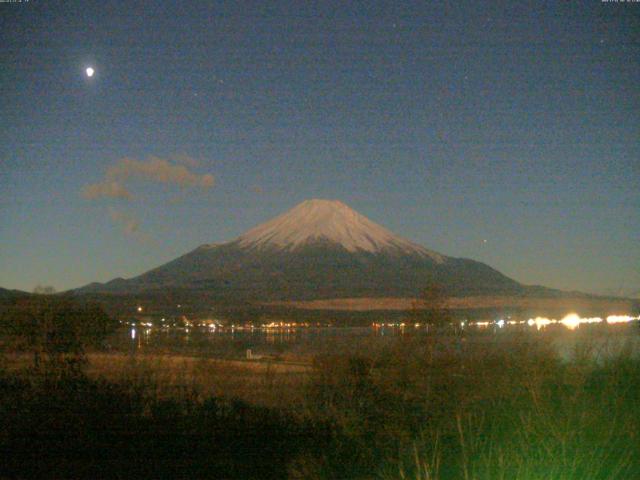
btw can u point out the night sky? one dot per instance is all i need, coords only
(507, 132)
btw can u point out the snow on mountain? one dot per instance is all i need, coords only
(331, 221)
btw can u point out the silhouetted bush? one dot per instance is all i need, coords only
(424, 410)
(56, 329)
(79, 428)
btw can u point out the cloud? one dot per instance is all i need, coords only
(158, 170)
(128, 222)
(154, 169)
(177, 171)
(105, 189)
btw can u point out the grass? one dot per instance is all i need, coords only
(171, 376)
(417, 407)
(259, 383)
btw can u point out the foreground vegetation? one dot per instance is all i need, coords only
(417, 407)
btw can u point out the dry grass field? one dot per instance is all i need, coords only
(174, 376)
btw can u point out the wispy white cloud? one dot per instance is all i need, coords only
(105, 189)
(177, 172)
(154, 169)
(157, 170)
(128, 223)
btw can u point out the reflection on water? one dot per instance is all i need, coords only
(231, 342)
(151, 335)
(234, 342)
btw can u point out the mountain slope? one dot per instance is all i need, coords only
(11, 294)
(318, 249)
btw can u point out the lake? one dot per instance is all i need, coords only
(598, 340)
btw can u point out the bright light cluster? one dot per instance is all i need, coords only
(573, 320)
(540, 322)
(621, 318)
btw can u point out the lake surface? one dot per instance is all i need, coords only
(597, 340)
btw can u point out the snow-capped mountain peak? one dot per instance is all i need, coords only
(331, 221)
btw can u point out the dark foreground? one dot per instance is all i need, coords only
(415, 408)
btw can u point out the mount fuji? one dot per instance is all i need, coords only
(320, 249)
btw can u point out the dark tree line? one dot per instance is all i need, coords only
(55, 329)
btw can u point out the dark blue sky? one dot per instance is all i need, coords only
(451, 123)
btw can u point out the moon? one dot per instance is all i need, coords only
(90, 71)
